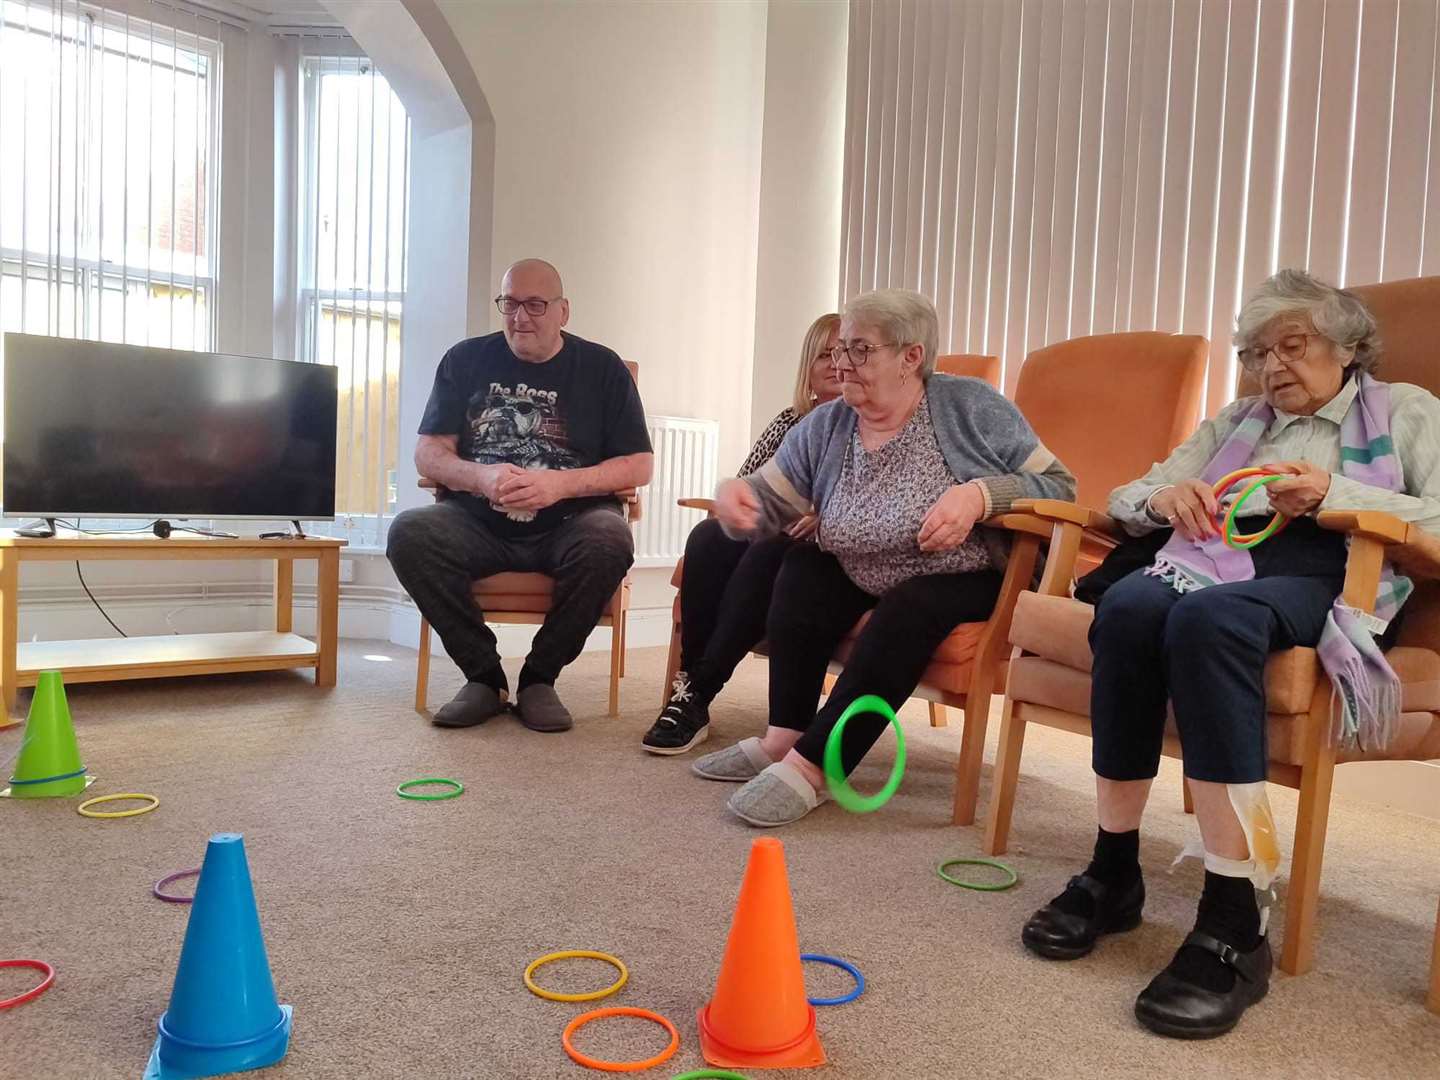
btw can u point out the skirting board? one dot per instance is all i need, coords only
(368, 613)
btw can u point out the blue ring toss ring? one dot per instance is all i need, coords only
(835, 961)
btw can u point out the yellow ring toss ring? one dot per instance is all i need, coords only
(81, 809)
(574, 954)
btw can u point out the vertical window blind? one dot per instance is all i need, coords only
(1047, 170)
(355, 139)
(109, 139)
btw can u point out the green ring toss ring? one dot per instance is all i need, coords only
(999, 886)
(835, 778)
(709, 1074)
(1277, 522)
(405, 793)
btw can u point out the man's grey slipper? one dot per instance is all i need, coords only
(778, 796)
(474, 704)
(541, 709)
(734, 764)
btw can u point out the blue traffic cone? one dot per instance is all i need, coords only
(223, 1016)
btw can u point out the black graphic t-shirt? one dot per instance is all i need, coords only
(575, 410)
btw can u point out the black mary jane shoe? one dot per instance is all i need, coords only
(1183, 1010)
(1058, 935)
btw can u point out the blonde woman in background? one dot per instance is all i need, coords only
(726, 584)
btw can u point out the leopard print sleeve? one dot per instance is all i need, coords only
(769, 441)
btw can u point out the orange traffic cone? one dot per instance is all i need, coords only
(759, 1017)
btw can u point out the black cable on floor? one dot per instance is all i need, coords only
(96, 602)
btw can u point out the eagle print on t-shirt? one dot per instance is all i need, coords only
(521, 426)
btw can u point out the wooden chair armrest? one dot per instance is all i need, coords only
(1413, 550)
(1021, 523)
(708, 505)
(630, 503)
(1372, 524)
(1057, 510)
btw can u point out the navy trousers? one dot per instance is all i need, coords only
(1205, 652)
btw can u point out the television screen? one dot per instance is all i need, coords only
(94, 429)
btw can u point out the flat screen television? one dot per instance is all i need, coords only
(98, 430)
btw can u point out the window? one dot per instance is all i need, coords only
(109, 134)
(355, 139)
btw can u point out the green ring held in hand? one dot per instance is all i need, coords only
(1270, 530)
(998, 886)
(404, 793)
(835, 779)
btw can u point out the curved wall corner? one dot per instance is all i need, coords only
(451, 206)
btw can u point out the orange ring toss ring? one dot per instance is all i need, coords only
(1225, 522)
(571, 954)
(81, 809)
(620, 1066)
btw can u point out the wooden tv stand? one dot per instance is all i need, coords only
(109, 659)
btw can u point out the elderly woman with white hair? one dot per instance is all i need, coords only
(1194, 624)
(901, 470)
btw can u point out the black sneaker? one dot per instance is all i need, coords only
(683, 723)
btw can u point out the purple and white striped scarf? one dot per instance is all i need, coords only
(1366, 700)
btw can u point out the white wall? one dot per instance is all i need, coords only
(627, 148)
(628, 140)
(800, 184)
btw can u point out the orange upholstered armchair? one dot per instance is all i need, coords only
(1049, 681)
(1061, 391)
(524, 599)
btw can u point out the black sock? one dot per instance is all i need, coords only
(1116, 862)
(1228, 911)
(493, 677)
(529, 677)
(1117, 857)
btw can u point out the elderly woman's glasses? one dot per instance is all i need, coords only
(508, 305)
(1289, 349)
(858, 352)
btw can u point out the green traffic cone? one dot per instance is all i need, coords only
(49, 762)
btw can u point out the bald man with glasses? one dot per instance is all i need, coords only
(531, 431)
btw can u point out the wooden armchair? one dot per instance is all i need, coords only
(1062, 390)
(1049, 679)
(1432, 1002)
(514, 598)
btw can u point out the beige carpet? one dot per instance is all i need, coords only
(399, 930)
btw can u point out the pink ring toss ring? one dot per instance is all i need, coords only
(171, 898)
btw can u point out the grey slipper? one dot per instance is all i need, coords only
(778, 796)
(735, 764)
(541, 709)
(474, 704)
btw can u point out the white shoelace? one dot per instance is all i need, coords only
(680, 694)
(681, 688)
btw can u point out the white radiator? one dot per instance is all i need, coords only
(685, 456)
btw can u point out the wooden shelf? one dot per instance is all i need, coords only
(70, 546)
(107, 659)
